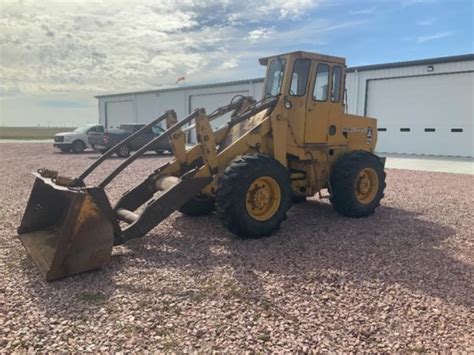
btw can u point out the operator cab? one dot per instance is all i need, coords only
(312, 86)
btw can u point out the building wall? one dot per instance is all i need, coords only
(145, 106)
(356, 82)
(148, 105)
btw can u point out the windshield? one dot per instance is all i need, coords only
(81, 129)
(157, 130)
(276, 69)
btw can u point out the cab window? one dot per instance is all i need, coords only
(157, 130)
(321, 84)
(299, 78)
(97, 129)
(336, 84)
(276, 69)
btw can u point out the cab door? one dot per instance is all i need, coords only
(318, 105)
(295, 98)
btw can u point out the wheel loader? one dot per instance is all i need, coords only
(293, 143)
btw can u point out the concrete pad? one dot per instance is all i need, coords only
(457, 165)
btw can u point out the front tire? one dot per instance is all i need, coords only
(357, 184)
(78, 147)
(253, 196)
(198, 206)
(123, 151)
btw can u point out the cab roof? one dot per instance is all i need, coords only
(308, 55)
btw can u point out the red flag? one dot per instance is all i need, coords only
(181, 78)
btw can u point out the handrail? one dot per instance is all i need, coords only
(116, 147)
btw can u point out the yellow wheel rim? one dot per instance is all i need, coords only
(263, 198)
(367, 185)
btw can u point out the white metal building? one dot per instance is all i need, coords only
(422, 107)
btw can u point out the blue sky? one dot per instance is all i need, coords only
(56, 55)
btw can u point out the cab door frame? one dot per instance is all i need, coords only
(322, 115)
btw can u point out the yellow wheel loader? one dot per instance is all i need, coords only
(295, 142)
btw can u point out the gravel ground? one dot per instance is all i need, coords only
(401, 280)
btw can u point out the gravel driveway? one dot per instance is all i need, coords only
(401, 280)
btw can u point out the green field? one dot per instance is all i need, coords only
(31, 132)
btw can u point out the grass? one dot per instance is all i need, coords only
(31, 132)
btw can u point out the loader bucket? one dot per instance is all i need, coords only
(64, 230)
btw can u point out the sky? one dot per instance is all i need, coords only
(56, 56)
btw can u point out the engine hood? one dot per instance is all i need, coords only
(62, 134)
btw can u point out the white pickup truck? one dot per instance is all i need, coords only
(77, 140)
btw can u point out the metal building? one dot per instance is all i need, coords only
(423, 107)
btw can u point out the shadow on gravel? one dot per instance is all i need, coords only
(393, 246)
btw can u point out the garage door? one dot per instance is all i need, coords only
(424, 115)
(210, 102)
(118, 112)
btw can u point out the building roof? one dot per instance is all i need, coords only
(179, 88)
(411, 63)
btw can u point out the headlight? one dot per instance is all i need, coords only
(67, 138)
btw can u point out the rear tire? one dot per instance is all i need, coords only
(78, 147)
(357, 184)
(198, 206)
(253, 196)
(297, 199)
(123, 151)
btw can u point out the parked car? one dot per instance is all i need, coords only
(104, 141)
(76, 141)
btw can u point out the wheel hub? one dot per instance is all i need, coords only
(367, 185)
(263, 198)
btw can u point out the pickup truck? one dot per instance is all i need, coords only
(104, 141)
(77, 140)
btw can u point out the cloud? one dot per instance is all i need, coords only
(439, 35)
(292, 9)
(260, 33)
(62, 47)
(230, 64)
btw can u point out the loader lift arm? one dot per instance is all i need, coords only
(69, 227)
